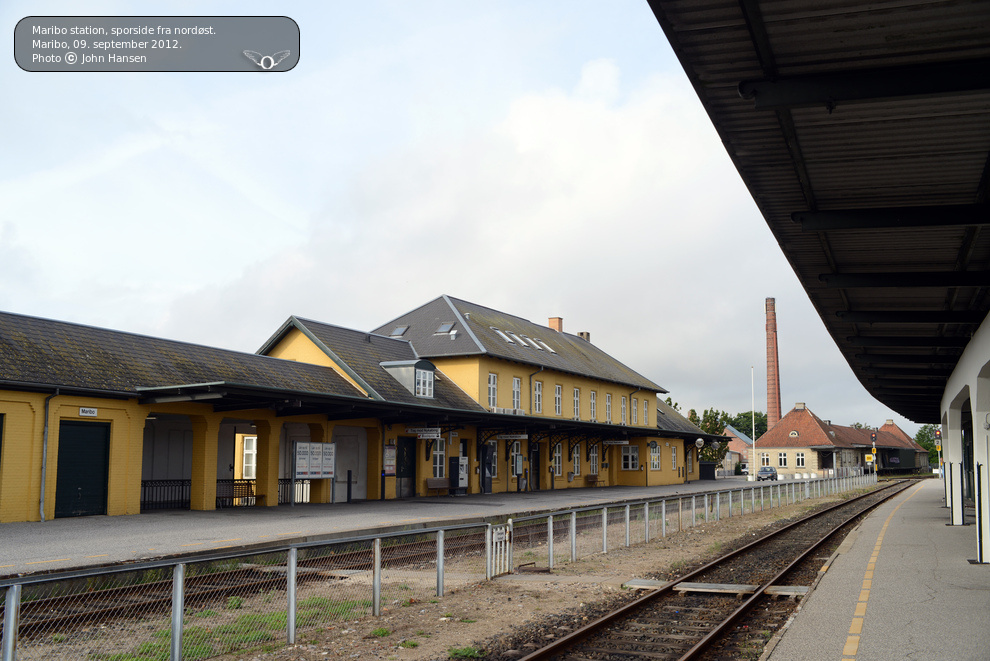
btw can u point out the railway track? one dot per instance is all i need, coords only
(698, 616)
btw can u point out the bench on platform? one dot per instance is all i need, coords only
(592, 480)
(437, 484)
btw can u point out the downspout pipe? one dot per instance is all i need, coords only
(44, 455)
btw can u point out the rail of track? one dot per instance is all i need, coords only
(683, 619)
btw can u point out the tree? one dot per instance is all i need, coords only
(926, 439)
(672, 404)
(744, 422)
(860, 425)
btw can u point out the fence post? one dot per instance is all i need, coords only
(646, 515)
(290, 595)
(376, 582)
(440, 563)
(663, 518)
(511, 542)
(488, 552)
(178, 611)
(11, 618)
(730, 503)
(573, 536)
(550, 540)
(605, 529)
(627, 524)
(679, 512)
(706, 508)
(694, 516)
(718, 506)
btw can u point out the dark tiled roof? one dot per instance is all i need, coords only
(670, 420)
(361, 353)
(42, 352)
(474, 335)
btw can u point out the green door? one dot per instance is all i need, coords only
(83, 469)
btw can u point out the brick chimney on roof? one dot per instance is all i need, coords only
(773, 370)
(557, 324)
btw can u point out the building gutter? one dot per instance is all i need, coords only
(44, 456)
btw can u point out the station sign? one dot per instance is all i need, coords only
(615, 442)
(513, 437)
(428, 433)
(88, 412)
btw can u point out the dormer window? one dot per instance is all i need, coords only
(793, 434)
(398, 331)
(424, 383)
(444, 328)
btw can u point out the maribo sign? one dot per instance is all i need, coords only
(314, 461)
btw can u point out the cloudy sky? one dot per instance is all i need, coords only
(541, 157)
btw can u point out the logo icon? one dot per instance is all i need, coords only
(266, 62)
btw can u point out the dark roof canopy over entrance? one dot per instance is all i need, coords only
(862, 130)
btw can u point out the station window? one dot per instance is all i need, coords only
(538, 397)
(673, 457)
(646, 413)
(494, 447)
(577, 403)
(608, 407)
(424, 383)
(655, 458)
(630, 458)
(512, 458)
(439, 457)
(492, 390)
(576, 459)
(516, 392)
(557, 460)
(635, 408)
(558, 394)
(594, 405)
(622, 410)
(782, 460)
(250, 457)
(593, 460)
(799, 460)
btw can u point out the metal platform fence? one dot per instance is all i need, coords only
(223, 603)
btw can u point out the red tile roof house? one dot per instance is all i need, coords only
(801, 442)
(740, 449)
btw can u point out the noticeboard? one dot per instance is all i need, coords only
(389, 465)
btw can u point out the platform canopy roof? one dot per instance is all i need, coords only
(862, 130)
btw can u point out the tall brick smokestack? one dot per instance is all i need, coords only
(773, 369)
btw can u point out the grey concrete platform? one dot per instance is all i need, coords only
(901, 587)
(96, 540)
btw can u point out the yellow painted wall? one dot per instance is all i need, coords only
(471, 374)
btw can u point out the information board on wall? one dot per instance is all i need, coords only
(314, 461)
(389, 465)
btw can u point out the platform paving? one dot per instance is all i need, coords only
(71, 543)
(900, 587)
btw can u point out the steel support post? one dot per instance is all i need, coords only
(550, 541)
(694, 516)
(440, 563)
(706, 508)
(376, 581)
(646, 515)
(488, 552)
(178, 611)
(663, 518)
(11, 618)
(573, 536)
(627, 525)
(605, 529)
(290, 595)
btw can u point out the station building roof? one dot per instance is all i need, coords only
(449, 327)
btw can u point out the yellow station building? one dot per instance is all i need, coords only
(95, 421)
